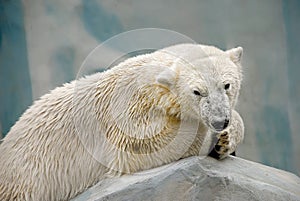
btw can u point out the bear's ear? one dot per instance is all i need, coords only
(235, 54)
(167, 77)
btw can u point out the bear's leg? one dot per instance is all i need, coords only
(229, 138)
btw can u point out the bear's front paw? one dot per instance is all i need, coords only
(223, 147)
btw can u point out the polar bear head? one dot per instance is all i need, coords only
(206, 80)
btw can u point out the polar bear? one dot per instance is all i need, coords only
(147, 111)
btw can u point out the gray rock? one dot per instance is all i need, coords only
(196, 178)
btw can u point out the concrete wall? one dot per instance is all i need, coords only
(43, 44)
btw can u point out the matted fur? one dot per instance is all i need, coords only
(138, 115)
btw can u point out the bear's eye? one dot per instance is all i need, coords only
(197, 93)
(200, 92)
(227, 86)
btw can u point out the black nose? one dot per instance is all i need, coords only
(220, 125)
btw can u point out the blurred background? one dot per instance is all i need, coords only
(43, 44)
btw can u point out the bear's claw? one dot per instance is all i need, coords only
(221, 149)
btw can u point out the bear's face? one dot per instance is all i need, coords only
(207, 85)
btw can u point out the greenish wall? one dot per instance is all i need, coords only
(15, 85)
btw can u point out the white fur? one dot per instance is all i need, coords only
(138, 115)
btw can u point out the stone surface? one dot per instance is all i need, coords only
(196, 178)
